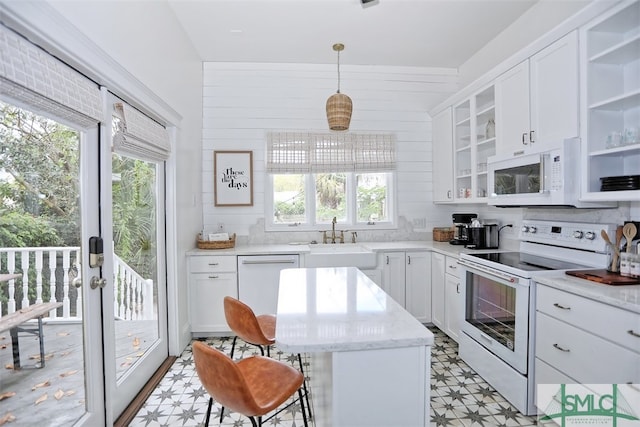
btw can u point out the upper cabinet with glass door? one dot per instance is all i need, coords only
(611, 113)
(474, 136)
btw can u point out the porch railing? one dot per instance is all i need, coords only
(47, 275)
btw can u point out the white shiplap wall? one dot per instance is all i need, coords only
(241, 101)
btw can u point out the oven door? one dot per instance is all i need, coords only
(496, 312)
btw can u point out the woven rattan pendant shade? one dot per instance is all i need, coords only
(339, 105)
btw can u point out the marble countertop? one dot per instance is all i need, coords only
(341, 309)
(626, 297)
(285, 248)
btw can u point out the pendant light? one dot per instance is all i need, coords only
(339, 105)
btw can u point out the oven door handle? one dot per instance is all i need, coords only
(503, 276)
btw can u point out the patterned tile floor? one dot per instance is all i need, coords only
(459, 397)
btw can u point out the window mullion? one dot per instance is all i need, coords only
(310, 198)
(351, 198)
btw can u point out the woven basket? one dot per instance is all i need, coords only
(339, 107)
(442, 234)
(219, 244)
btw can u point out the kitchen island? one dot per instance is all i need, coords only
(370, 359)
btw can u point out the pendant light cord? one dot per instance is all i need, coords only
(338, 72)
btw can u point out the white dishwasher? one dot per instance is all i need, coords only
(259, 277)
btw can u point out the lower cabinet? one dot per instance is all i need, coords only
(445, 292)
(211, 278)
(406, 277)
(585, 341)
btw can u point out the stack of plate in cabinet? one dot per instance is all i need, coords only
(620, 183)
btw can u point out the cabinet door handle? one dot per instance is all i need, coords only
(531, 139)
(562, 307)
(566, 350)
(523, 138)
(214, 277)
(448, 194)
(632, 333)
(453, 267)
(409, 259)
(387, 259)
(214, 263)
(458, 287)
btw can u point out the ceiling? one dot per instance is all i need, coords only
(421, 33)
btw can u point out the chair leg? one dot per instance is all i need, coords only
(304, 384)
(233, 346)
(206, 421)
(304, 415)
(221, 414)
(253, 422)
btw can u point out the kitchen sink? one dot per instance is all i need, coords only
(340, 255)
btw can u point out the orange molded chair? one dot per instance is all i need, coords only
(256, 330)
(253, 386)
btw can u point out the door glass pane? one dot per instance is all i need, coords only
(40, 237)
(518, 180)
(491, 307)
(331, 190)
(134, 189)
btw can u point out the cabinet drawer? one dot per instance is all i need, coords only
(205, 264)
(451, 264)
(612, 323)
(583, 356)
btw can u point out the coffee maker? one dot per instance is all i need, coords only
(461, 224)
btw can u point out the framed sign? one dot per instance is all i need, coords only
(233, 178)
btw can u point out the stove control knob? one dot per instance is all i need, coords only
(525, 229)
(533, 229)
(578, 234)
(590, 235)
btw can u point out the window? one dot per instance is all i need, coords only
(315, 177)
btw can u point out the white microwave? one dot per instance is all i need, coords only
(544, 177)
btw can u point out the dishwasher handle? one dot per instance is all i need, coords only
(273, 261)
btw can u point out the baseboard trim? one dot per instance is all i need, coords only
(130, 411)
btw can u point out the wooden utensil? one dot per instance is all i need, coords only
(629, 231)
(614, 262)
(616, 255)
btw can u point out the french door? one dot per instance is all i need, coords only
(134, 298)
(97, 252)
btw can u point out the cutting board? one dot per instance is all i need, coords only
(604, 276)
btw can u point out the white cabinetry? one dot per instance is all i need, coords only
(537, 100)
(445, 292)
(574, 345)
(610, 120)
(211, 278)
(437, 289)
(442, 159)
(406, 278)
(452, 299)
(474, 136)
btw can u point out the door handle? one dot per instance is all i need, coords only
(523, 138)
(98, 282)
(77, 282)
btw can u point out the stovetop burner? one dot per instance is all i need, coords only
(527, 262)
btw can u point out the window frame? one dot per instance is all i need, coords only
(310, 206)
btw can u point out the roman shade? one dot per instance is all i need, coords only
(139, 136)
(34, 78)
(325, 152)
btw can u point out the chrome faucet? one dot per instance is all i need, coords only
(333, 229)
